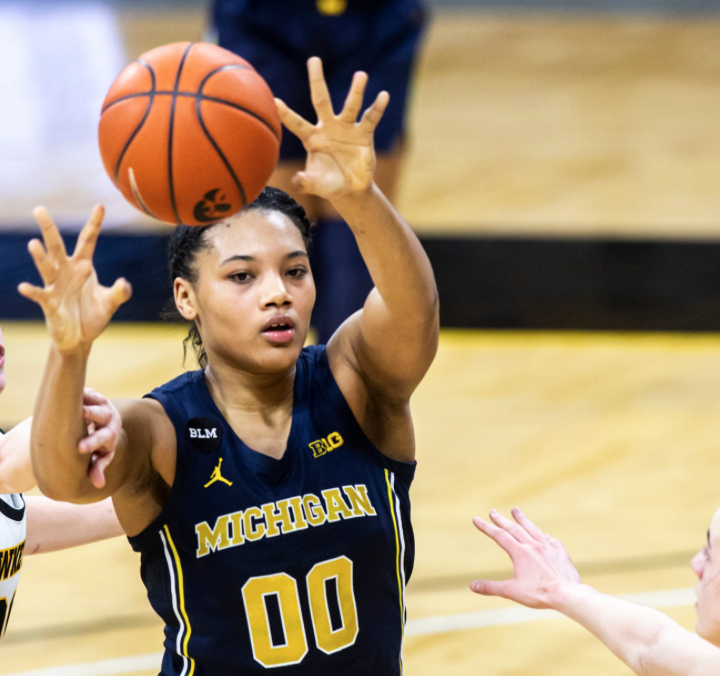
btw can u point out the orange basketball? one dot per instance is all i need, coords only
(189, 133)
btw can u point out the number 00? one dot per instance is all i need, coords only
(285, 589)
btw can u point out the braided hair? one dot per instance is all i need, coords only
(187, 242)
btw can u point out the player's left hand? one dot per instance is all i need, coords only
(341, 154)
(541, 563)
(103, 424)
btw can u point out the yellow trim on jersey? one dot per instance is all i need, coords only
(397, 559)
(181, 589)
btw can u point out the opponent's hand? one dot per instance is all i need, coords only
(341, 154)
(77, 307)
(103, 424)
(540, 562)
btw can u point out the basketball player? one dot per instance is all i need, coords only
(268, 492)
(35, 525)
(380, 37)
(648, 641)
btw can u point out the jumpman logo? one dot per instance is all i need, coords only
(217, 476)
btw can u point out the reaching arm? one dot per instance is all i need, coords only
(393, 341)
(648, 641)
(102, 427)
(77, 309)
(58, 525)
(16, 475)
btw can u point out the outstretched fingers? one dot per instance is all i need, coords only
(534, 532)
(85, 247)
(51, 235)
(501, 536)
(491, 587)
(34, 293)
(297, 124)
(319, 92)
(119, 293)
(517, 531)
(354, 100)
(46, 268)
(372, 116)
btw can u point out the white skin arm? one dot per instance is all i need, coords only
(393, 341)
(102, 423)
(648, 641)
(52, 526)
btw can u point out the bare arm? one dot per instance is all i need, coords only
(58, 525)
(77, 309)
(648, 641)
(102, 426)
(393, 341)
(16, 475)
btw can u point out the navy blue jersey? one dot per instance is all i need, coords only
(380, 37)
(298, 564)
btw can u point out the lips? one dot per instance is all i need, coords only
(279, 329)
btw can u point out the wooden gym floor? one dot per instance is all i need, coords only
(609, 441)
(533, 124)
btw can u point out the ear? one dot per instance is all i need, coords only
(185, 298)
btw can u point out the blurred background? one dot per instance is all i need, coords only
(563, 173)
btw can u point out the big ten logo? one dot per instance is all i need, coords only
(329, 443)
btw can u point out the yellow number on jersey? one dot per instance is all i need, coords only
(340, 569)
(284, 587)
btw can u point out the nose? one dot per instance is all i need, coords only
(697, 563)
(276, 293)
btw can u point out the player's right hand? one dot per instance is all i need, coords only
(77, 307)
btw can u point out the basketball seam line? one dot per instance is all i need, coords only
(200, 97)
(140, 203)
(222, 156)
(173, 200)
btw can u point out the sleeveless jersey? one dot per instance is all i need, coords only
(12, 544)
(297, 564)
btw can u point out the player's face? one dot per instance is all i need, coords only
(706, 564)
(2, 362)
(255, 292)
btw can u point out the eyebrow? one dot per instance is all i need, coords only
(245, 257)
(708, 539)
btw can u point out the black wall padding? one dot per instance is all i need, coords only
(138, 258)
(484, 282)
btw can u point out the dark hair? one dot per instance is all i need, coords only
(187, 242)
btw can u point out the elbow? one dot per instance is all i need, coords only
(79, 493)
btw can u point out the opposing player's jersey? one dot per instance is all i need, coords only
(297, 564)
(12, 543)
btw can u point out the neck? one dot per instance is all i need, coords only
(236, 390)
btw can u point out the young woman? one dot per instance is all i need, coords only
(648, 641)
(35, 525)
(267, 492)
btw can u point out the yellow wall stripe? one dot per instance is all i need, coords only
(181, 589)
(397, 558)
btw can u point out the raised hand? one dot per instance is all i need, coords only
(103, 424)
(341, 154)
(540, 562)
(77, 307)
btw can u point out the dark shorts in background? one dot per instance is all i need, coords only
(278, 36)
